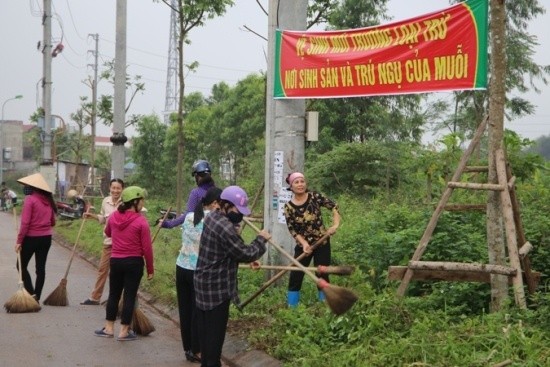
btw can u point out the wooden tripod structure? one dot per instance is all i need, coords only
(430, 270)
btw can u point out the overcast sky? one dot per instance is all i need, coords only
(223, 48)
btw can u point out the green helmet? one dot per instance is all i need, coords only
(132, 192)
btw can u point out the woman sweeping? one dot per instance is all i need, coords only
(131, 250)
(305, 224)
(35, 233)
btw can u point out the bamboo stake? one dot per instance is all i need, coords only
(338, 299)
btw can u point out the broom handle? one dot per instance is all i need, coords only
(74, 247)
(323, 270)
(159, 227)
(279, 275)
(286, 254)
(18, 252)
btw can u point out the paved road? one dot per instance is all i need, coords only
(63, 336)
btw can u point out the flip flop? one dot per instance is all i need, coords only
(102, 333)
(130, 336)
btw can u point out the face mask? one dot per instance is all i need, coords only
(27, 190)
(234, 218)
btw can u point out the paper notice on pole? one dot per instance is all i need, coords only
(278, 167)
(284, 197)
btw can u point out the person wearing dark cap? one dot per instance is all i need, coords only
(202, 173)
(35, 233)
(221, 250)
(305, 223)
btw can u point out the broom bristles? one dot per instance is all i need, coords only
(59, 295)
(141, 323)
(22, 302)
(339, 299)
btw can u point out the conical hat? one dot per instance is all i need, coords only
(35, 180)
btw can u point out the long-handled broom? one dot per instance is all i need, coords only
(59, 295)
(277, 276)
(21, 301)
(321, 269)
(338, 299)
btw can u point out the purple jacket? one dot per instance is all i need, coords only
(195, 197)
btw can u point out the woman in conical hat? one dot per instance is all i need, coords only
(35, 233)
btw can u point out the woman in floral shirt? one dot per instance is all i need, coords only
(305, 224)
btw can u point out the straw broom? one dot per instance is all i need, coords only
(321, 269)
(59, 295)
(338, 299)
(21, 301)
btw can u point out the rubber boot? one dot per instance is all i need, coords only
(293, 298)
(321, 296)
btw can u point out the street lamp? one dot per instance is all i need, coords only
(19, 96)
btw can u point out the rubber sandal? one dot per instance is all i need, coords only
(130, 336)
(192, 357)
(102, 333)
(90, 302)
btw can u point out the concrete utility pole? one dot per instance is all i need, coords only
(119, 114)
(94, 106)
(46, 167)
(285, 126)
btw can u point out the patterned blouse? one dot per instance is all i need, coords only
(306, 219)
(190, 241)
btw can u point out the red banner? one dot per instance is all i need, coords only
(441, 51)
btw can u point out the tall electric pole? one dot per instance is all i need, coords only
(285, 125)
(172, 87)
(46, 167)
(94, 106)
(119, 114)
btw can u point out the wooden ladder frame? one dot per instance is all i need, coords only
(427, 270)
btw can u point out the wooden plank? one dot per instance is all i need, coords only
(439, 209)
(510, 230)
(398, 272)
(475, 186)
(469, 169)
(465, 207)
(462, 267)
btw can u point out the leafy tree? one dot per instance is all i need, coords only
(190, 14)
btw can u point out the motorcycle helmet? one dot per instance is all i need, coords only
(132, 192)
(201, 166)
(71, 194)
(238, 197)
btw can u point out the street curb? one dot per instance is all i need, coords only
(236, 351)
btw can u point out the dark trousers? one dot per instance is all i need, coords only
(39, 247)
(125, 275)
(212, 328)
(321, 256)
(186, 306)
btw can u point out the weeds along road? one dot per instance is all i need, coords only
(63, 336)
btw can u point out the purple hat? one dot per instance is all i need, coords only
(238, 197)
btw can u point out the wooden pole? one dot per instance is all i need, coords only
(454, 266)
(511, 234)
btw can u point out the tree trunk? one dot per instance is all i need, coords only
(179, 164)
(497, 93)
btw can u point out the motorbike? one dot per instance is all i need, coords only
(74, 210)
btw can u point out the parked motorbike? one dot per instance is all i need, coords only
(72, 210)
(170, 216)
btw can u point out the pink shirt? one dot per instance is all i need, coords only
(131, 237)
(37, 217)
